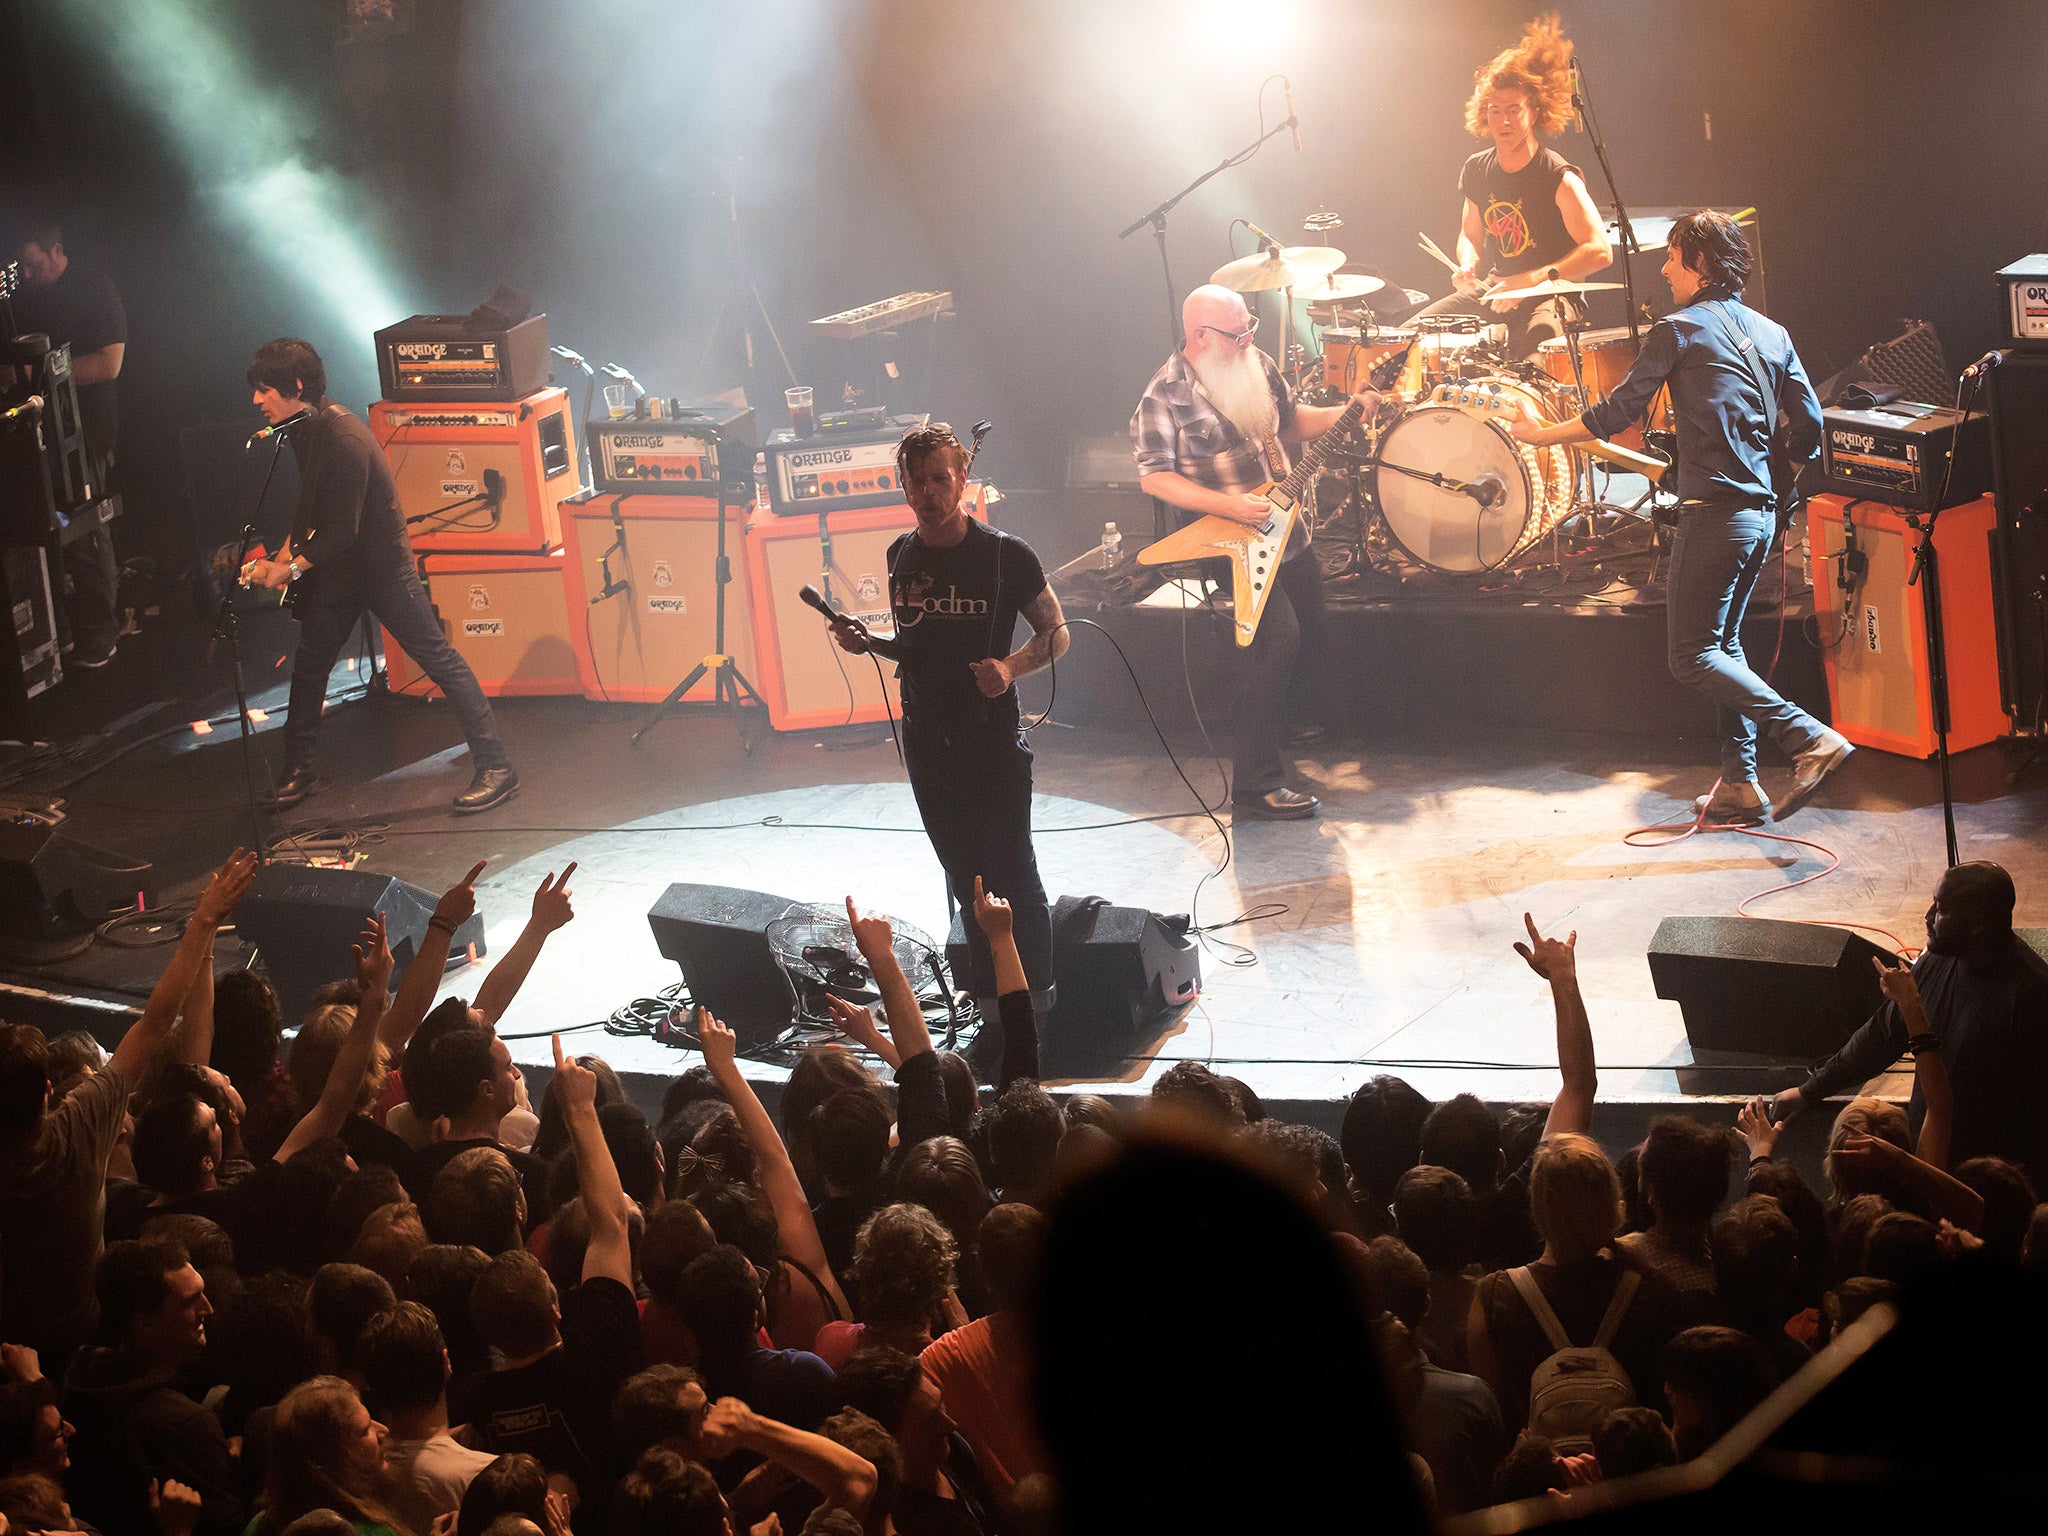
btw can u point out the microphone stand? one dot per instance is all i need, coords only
(1157, 219)
(1629, 249)
(226, 628)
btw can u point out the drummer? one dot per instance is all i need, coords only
(1207, 434)
(1528, 218)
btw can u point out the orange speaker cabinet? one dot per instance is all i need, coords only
(640, 642)
(506, 615)
(1876, 649)
(442, 454)
(806, 680)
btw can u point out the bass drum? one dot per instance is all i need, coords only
(1462, 435)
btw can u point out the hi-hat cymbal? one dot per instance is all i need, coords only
(1340, 285)
(1297, 266)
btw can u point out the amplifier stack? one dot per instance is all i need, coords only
(484, 453)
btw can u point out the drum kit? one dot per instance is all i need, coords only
(1437, 468)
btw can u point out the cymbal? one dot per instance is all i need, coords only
(1549, 290)
(1297, 266)
(1340, 285)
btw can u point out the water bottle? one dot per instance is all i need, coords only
(761, 483)
(1112, 546)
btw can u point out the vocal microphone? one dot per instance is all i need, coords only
(265, 434)
(32, 406)
(1293, 122)
(1261, 236)
(1984, 364)
(816, 599)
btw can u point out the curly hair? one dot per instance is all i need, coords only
(1539, 66)
(902, 1265)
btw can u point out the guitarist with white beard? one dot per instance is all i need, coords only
(1213, 427)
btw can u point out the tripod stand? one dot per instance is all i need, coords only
(730, 690)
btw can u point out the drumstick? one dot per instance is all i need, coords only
(1430, 246)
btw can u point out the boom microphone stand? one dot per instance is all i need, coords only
(1582, 105)
(1157, 219)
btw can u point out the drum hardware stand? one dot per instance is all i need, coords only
(1157, 219)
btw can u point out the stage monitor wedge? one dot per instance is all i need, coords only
(304, 922)
(1796, 991)
(718, 934)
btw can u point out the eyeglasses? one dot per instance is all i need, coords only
(1240, 337)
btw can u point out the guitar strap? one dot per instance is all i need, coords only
(1784, 503)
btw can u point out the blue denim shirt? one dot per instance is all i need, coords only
(1724, 438)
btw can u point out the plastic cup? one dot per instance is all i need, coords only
(618, 399)
(802, 420)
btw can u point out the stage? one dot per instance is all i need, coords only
(1401, 903)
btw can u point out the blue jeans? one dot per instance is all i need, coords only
(1716, 558)
(400, 604)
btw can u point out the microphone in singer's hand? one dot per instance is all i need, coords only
(816, 599)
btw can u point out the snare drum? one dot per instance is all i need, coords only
(1351, 356)
(1605, 358)
(1461, 433)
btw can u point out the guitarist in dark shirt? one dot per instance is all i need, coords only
(1747, 420)
(348, 553)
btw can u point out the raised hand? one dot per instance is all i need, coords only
(854, 1022)
(575, 1085)
(175, 1507)
(458, 903)
(872, 935)
(1754, 1122)
(1955, 1241)
(1785, 1105)
(224, 892)
(727, 1421)
(719, 1044)
(1899, 986)
(551, 907)
(1552, 959)
(991, 911)
(373, 958)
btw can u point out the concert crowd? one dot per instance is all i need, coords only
(340, 1273)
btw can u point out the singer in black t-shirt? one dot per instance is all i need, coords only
(348, 554)
(956, 590)
(1528, 218)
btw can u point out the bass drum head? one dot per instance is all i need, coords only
(1445, 529)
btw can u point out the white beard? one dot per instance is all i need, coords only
(1237, 387)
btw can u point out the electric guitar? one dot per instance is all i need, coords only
(1254, 551)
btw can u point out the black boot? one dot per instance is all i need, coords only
(490, 787)
(296, 784)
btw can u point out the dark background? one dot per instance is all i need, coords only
(633, 165)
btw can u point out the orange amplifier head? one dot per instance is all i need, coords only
(833, 472)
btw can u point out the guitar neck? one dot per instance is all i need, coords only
(1315, 453)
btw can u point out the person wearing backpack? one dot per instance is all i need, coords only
(1566, 1339)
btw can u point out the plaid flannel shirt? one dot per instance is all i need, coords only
(1176, 429)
